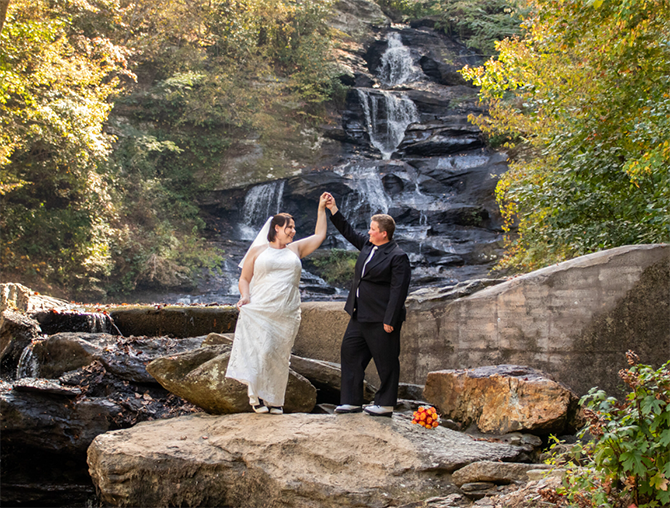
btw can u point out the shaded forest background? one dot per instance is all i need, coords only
(114, 115)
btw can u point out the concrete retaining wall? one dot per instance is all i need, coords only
(574, 320)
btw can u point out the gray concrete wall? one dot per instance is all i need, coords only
(574, 320)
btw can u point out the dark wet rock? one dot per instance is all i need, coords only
(45, 386)
(65, 415)
(175, 321)
(63, 352)
(126, 357)
(199, 377)
(54, 321)
(17, 331)
(54, 423)
(410, 391)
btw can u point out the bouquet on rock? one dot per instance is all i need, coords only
(426, 416)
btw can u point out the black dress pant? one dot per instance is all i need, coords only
(361, 343)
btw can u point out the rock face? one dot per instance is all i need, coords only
(16, 332)
(404, 147)
(494, 472)
(125, 357)
(293, 460)
(19, 297)
(199, 377)
(354, 17)
(502, 399)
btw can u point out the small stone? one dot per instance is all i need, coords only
(477, 486)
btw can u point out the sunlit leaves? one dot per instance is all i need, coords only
(582, 98)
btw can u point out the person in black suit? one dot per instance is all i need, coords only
(376, 304)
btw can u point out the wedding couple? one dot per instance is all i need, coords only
(269, 308)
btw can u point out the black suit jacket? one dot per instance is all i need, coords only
(383, 288)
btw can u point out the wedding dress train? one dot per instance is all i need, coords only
(267, 326)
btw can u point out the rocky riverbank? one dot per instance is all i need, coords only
(138, 407)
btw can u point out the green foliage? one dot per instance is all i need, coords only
(583, 99)
(337, 267)
(629, 460)
(94, 212)
(478, 23)
(54, 86)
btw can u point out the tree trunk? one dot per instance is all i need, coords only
(3, 12)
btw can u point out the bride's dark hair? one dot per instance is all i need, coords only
(282, 220)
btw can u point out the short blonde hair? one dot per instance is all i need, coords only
(385, 223)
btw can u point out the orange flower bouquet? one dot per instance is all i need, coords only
(426, 416)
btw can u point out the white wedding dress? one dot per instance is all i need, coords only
(267, 326)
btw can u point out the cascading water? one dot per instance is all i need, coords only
(397, 65)
(387, 116)
(27, 366)
(261, 202)
(368, 187)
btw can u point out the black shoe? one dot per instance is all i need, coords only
(348, 408)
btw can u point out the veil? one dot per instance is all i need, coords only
(261, 239)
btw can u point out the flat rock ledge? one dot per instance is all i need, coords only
(294, 460)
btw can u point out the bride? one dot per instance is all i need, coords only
(269, 308)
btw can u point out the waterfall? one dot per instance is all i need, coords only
(387, 116)
(368, 188)
(397, 66)
(261, 202)
(28, 366)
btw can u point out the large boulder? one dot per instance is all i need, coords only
(502, 399)
(126, 357)
(17, 331)
(45, 419)
(19, 297)
(64, 415)
(500, 473)
(290, 461)
(199, 377)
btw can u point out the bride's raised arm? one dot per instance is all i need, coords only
(308, 245)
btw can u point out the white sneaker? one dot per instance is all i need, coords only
(375, 410)
(348, 408)
(276, 410)
(257, 405)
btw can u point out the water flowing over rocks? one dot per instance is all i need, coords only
(503, 398)
(124, 356)
(404, 147)
(295, 460)
(17, 331)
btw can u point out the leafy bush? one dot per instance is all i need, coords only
(583, 92)
(478, 23)
(337, 267)
(99, 172)
(628, 460)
